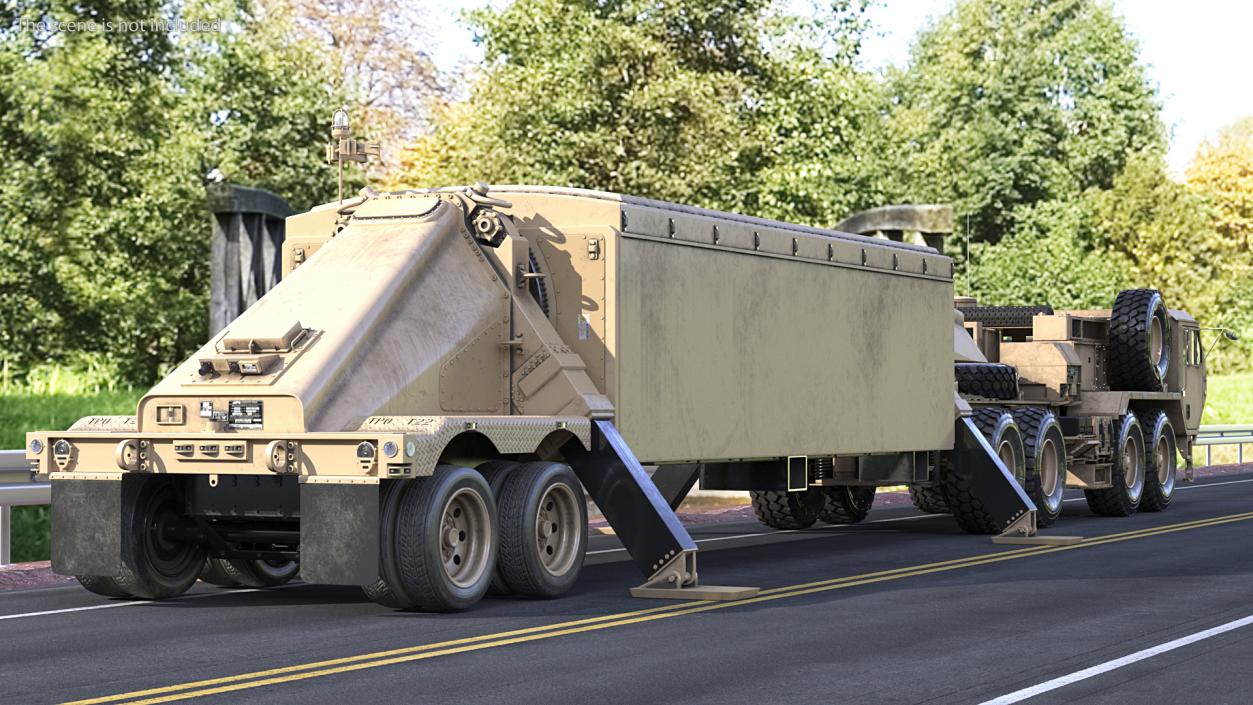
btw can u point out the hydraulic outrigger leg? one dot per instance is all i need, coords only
(1008, 507)
(642, 519)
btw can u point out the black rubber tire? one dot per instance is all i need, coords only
(985, 379)
(1123, 498)
(966, 508)
(846, 504)
(156, 568)
(1005, 316)
(1160, 437)
(495, 472)
(1136, 315)
(387, 590)
(929, 499)
(260, 574)
(214, 573)
(999, 428)
(519, 561)
(103, 585)
(418, 547)
(787, 510)
(1041, 429)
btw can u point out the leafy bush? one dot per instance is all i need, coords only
(1045, 262)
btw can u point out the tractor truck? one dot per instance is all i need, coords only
(425, 401)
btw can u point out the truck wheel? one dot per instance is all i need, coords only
(982, 379)
(260, 573)
(1002, 433)
(1161, 463)
(1126, 473)
(787, 510)
(1139, 341)
(387, 590)
(1045, 446)
(1005, 316)
(214, 573)
(494, 472)
(967, 509)
(929, 499)
(104, 585)
(846, 505)
(446, 539)
(543, 529)
(158, 567)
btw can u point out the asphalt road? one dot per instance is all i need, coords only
(901, 609)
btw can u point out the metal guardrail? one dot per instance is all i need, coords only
(17, 489)
(1225, 435)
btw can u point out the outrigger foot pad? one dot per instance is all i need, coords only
(677, 580)
(1023, 533)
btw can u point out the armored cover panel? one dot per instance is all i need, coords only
(725, 355)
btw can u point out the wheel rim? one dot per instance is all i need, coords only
(1009, 456)
(167, 557)
(1157, 340)
(557, 529)
(465, 537)
(1165, 464)
(1049, 469)
(1132, 468)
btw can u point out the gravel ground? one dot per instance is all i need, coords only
(25, 576)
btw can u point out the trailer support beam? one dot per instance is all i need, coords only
(641, 518)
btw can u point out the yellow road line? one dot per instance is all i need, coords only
(417, 653)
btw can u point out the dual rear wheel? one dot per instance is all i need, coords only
(1144, 466)
(445, 540)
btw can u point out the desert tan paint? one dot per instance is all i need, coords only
(704, 335)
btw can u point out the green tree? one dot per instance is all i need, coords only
(1007, 104)
(1045, 261)
(107, 137)
(1221, 174)
(730, 104)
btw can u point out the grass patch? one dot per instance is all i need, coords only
(23, 412)
(1229, 399)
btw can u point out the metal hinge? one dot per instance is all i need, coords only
(593, 249)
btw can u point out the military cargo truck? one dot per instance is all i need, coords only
(1101, 400)
(421, 404)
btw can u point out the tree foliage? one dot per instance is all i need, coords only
(1033, 117)
(107, 137)
(1222, 175)
(380, 51)
(1009, 103)
(723, 103)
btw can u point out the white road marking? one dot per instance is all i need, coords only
(880, 521)
(1062, 681)
(110, 605)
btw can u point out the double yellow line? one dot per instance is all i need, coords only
(317, 669)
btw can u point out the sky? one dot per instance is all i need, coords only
(1197, 53)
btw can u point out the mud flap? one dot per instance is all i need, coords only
(87, 524)
(339, 533)
(990, 481)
